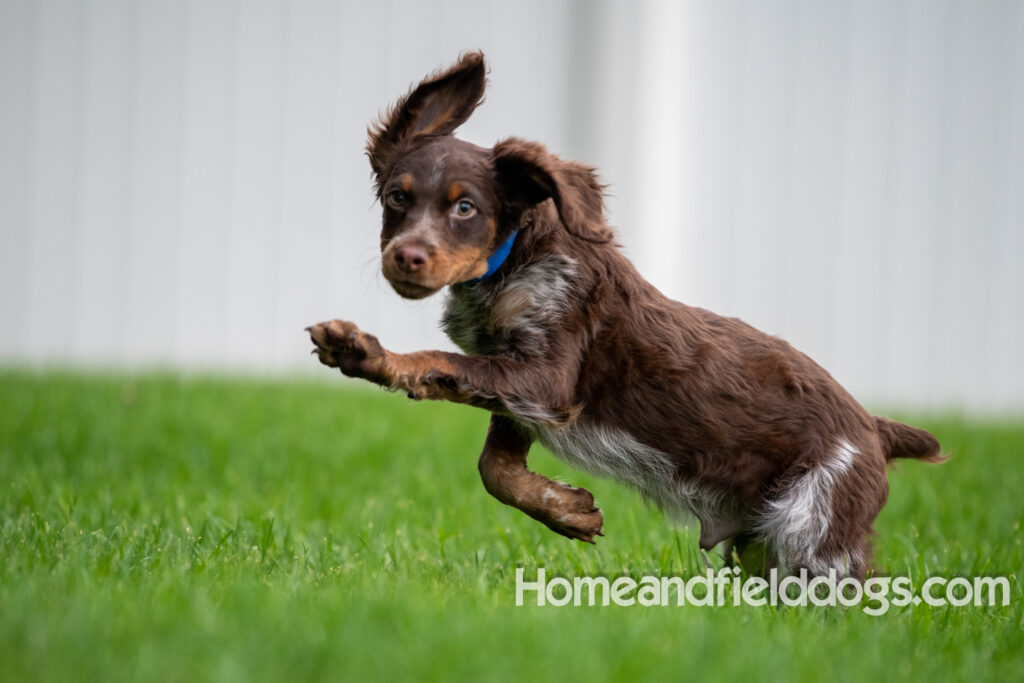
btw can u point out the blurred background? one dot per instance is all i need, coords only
(183, 185)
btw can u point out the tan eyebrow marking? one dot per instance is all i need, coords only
(454, 192)
(406, 181)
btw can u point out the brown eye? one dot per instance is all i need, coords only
(397, 199)
(464, 208)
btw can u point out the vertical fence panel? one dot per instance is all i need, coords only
(102, 287)
(16, 47)
(54, 173)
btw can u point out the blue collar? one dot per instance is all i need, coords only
(497, 259)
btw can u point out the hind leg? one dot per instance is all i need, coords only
(750, 553)
(822, 518)
(846, 544)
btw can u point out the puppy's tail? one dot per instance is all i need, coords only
(903, 441)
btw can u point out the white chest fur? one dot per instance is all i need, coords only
(517, 315)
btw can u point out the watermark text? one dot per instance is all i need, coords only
(726, 587)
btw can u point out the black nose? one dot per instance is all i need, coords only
(411, 258)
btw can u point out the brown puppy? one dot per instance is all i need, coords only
(567, 344)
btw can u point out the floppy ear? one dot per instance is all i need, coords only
(528, 174)
(437, 106)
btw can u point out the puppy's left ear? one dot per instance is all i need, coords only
(528, 174)
(437, 106)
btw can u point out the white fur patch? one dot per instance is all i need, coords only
(440, 163)
(533, 301)
(796, 522)
(517, 315)
(607, 452)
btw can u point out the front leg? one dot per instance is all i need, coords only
(562, 508)
(497, 384)
(493, 383)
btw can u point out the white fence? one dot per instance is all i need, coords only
(183, 182)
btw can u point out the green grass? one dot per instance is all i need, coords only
(154, 528)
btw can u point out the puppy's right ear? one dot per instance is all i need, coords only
(437, 106)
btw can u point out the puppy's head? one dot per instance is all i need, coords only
(449, 204)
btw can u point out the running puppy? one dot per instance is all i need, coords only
(568, 345)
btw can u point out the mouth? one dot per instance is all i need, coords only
(412, 290)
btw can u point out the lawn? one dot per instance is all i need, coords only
(159, 528)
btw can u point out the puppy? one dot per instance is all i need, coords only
(566, 344)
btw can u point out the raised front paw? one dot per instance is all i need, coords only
(342, 345)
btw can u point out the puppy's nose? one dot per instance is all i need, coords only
(411, 258)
